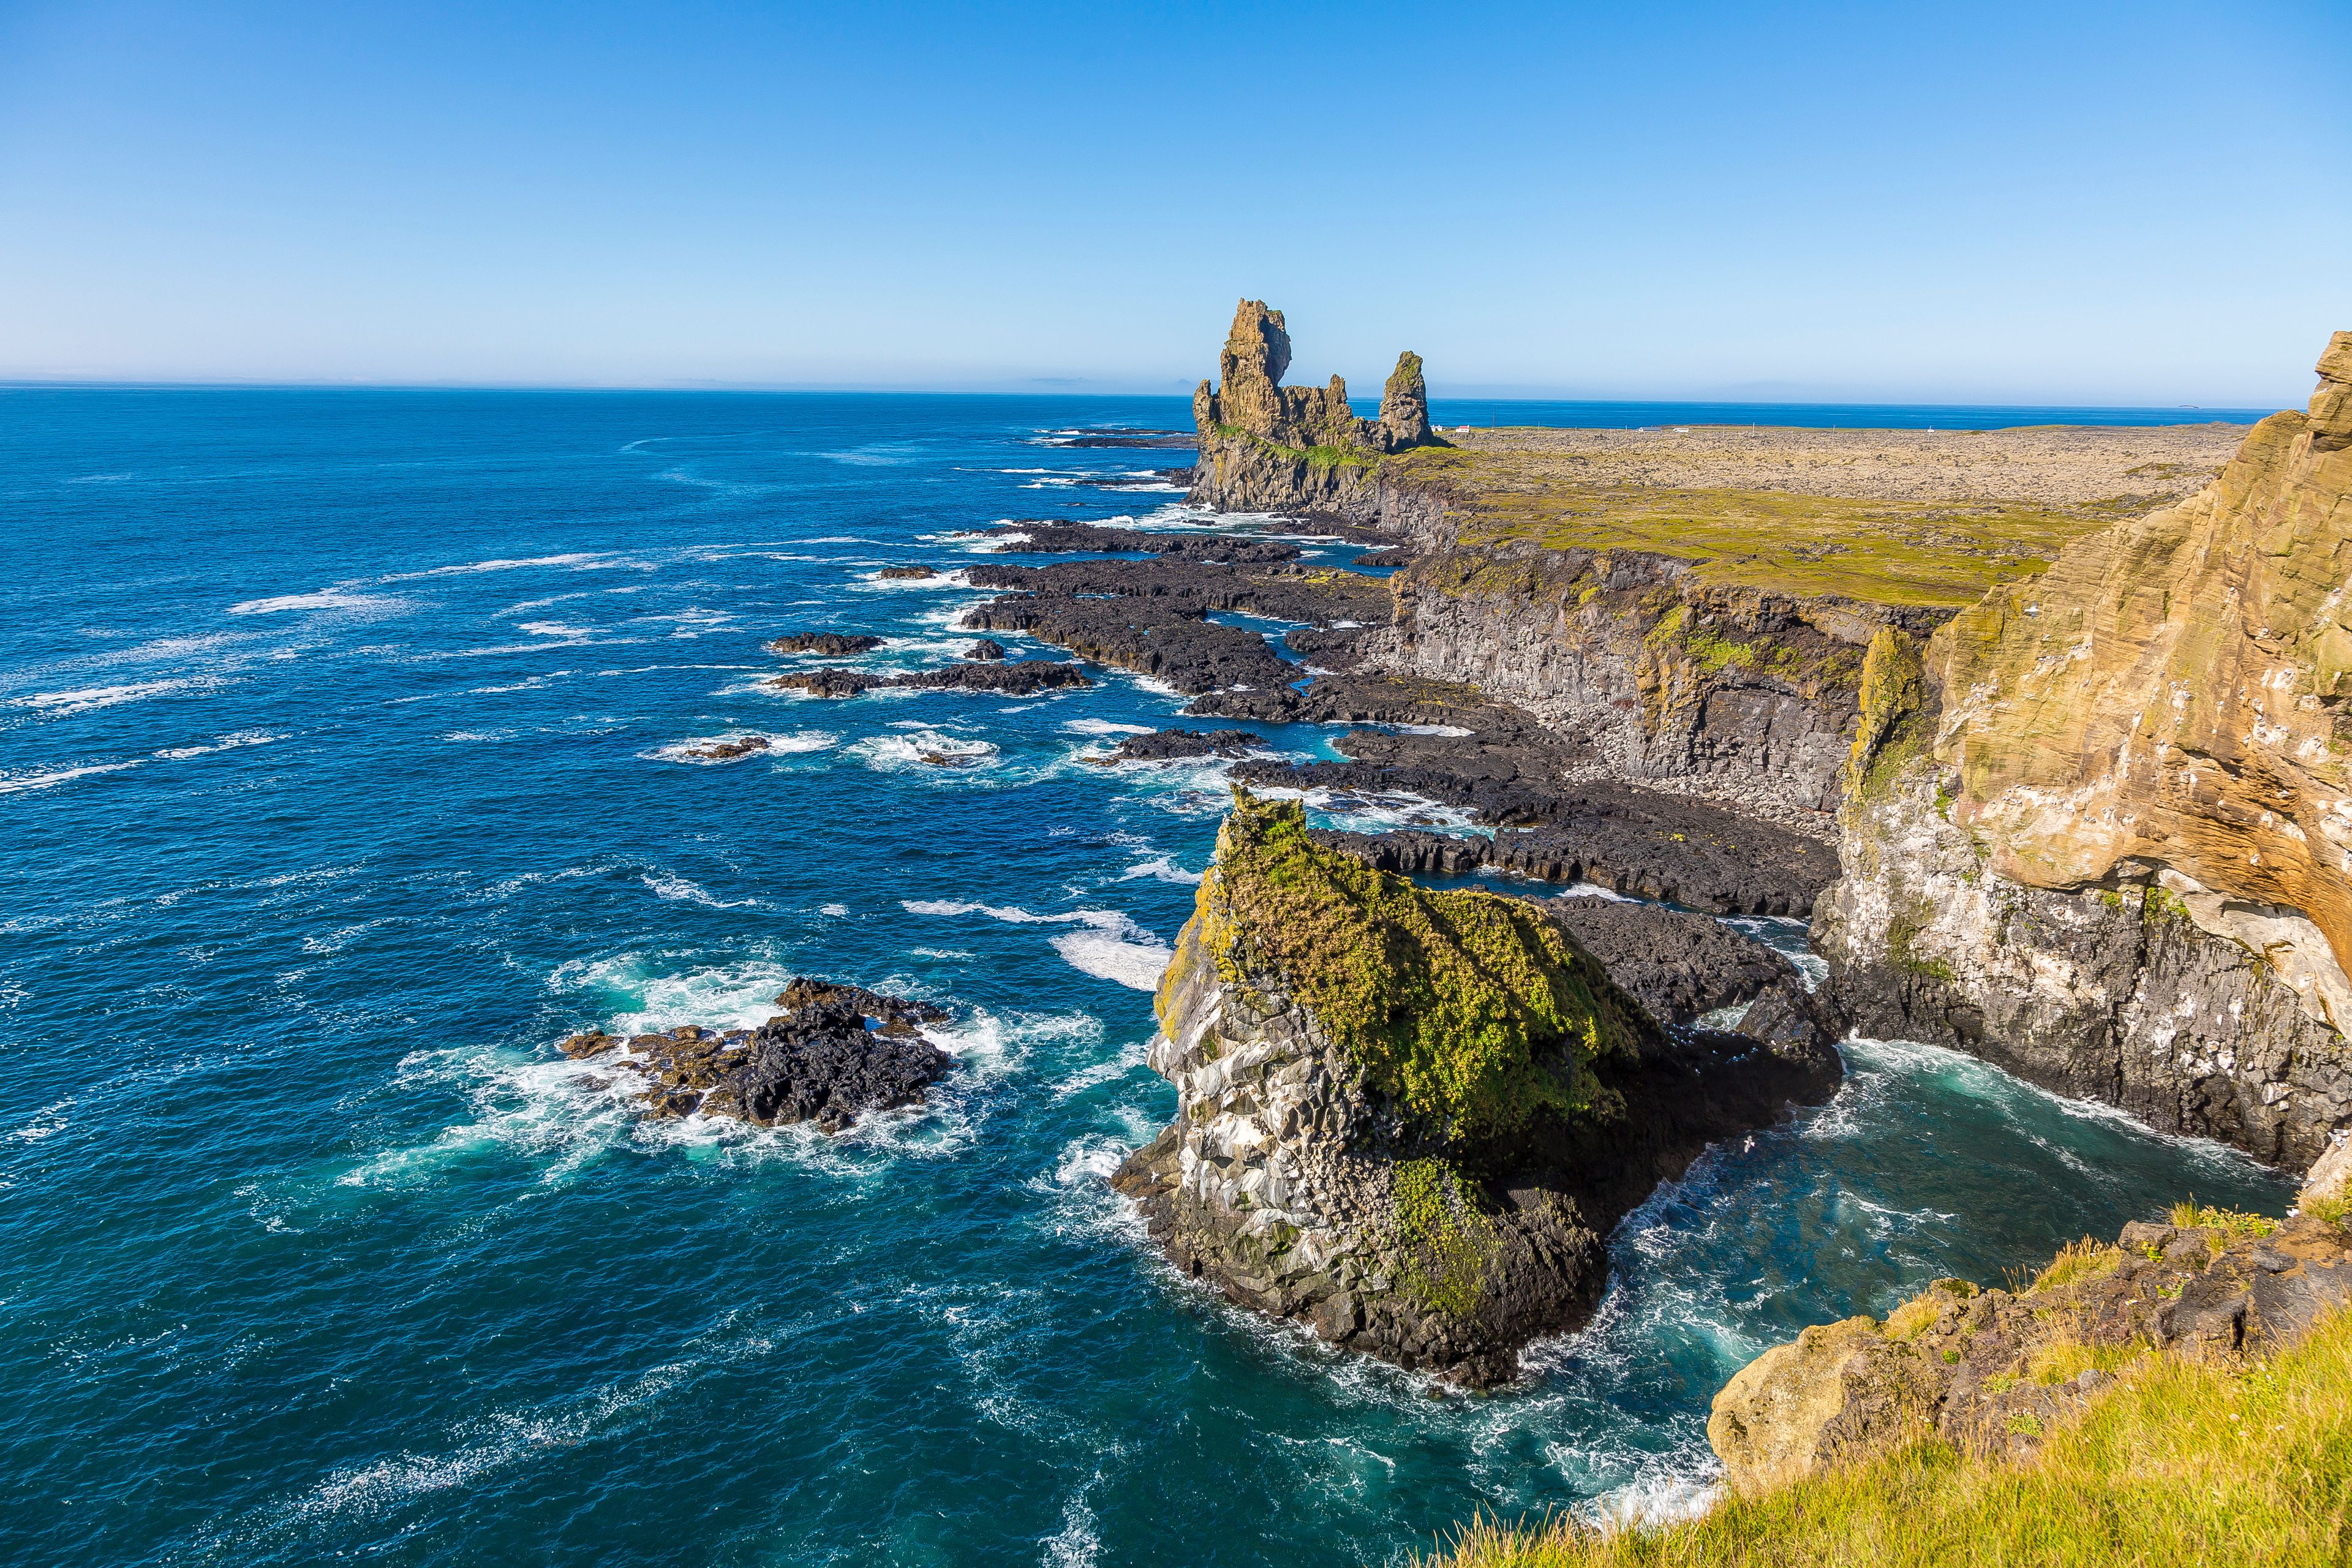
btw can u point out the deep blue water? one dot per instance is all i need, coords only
(339, 780)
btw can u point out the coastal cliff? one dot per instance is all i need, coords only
(1407, 1119)
(2101, 838)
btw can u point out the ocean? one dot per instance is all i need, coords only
(343, 773)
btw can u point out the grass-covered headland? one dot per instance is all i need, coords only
(2176, 1463)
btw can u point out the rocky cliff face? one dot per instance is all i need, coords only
(1269, 447)
(2118, 859)
(1407, 1119)
(1730, 689)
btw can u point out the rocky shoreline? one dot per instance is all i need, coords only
(1712, 734)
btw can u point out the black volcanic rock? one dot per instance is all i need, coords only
(1049, 538)
(1681, 965)
(1176, 745)
(1130, 437)
(1018, 680)
(986, 650)
(835, 1053)
(834, 643)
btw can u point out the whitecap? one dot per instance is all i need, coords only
(90, 699)
(1105, 727)
(13, 783)
(1112, 947)
(222, 743)
(375, 606)
(679, 890)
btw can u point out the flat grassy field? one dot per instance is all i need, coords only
(1897, 517)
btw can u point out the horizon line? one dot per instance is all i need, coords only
(1047, 387)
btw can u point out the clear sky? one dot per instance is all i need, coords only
(2144, 203)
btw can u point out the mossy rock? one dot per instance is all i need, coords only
(1472, 1012)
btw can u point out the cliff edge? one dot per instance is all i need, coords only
(2099, 828)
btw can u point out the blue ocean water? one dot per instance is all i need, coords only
(340, 773)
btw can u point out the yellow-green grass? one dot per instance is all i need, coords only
(1932, 552)
(2178, 1464)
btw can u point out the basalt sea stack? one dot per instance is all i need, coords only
(1408, 1118)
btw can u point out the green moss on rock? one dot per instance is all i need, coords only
(1471, 1011)
(1448, 1240)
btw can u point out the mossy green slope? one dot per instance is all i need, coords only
(2181, 1464)
(1471, 1011)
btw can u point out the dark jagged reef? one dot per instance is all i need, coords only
(833, 1054)
(1408, 1118)
(1024, 679)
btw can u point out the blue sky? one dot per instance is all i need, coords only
(2144, 203)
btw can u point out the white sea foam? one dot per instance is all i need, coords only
(14, 783)
(1136, 964)
(927, 749)
(679, 890)
(1111, 947)
(799, 742)
(1104, 727)
(555, 629)
(90, 699)
(222, 743)
(370, 606)
(1164, 869)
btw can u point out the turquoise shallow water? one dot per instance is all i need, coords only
(338, 775)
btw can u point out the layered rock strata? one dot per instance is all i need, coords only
(833, 1054)
(1997, 1371)
(2102, 832)
(1407, 1119)
(1664, 675)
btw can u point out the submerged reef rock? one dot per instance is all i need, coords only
(833, 1054)
(2099, 827)
(730, 751)
(1407, 1118)
(1996, 1371)
(983, 673)
(1268, 447)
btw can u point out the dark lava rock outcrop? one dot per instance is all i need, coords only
(1407, 1119)
(833, 643)
(730, 751)
(986, 650)
(1024, 679)
(1680, 965)
(833, 1054)
(1666, 848)
(1178, 745)
(1047, 538)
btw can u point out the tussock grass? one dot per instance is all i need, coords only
(2231, 1223)
(2180, 1464)
(2078, 1261)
